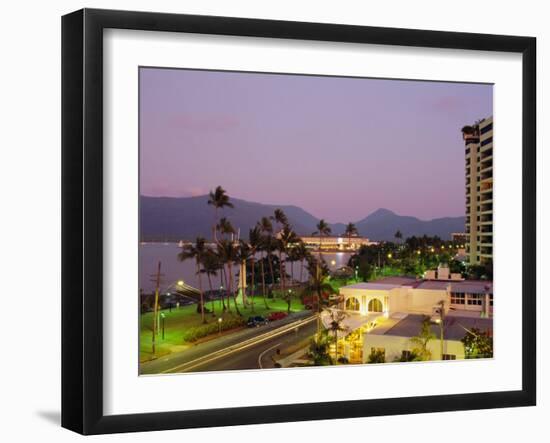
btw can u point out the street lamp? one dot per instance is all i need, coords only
(162, 316)
(220, 326)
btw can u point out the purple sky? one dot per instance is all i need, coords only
(339, 148)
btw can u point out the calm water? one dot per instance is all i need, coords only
(174, 270)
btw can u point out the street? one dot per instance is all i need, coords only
(237, 351)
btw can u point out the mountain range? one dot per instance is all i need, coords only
(185, 218)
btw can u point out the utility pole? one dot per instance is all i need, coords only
(157, 277)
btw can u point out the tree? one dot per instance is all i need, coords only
(335, 326)
(301, 254)
(219, 199)
(319, 349)
(286, 238)
(407, 356)
(398, 236)
(228, 255)
(478, 344)
(255, 243)
(243, 254)
(350, 231)
(210, 266)
(377, 355)
(268, 243)
(323, 230)
(196, 251)
(422, 339)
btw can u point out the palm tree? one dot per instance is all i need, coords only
(422, 340)
(219, 199)
(210, 266)
(286, 237)
(196, 251)
(228, 255)
(318, 271)
(350, 231)
(267, 228)
(323, 230)
(301, 254)
(225, 227)
(319, 350)
(398, 236)
(255, 243)
(243, 254)
(280, 217)
(335, 325)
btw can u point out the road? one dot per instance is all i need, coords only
(229, 347)
(259, 356)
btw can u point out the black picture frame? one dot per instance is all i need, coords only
(82, 218)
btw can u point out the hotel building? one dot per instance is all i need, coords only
(385, 314)
(337, 243)
(478, 140)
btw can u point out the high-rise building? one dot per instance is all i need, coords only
(478, 140)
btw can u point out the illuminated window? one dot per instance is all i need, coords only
(375, 305)
(352, 304)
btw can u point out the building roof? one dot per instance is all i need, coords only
(455, 327)
(372, 286)
(472, 286)
(462, 286)
(401, 280)
(433, 284)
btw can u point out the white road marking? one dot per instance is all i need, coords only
(263, 353)
(238, 347)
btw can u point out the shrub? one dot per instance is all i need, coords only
(198, 332)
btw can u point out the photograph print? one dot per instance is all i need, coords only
(299, 221)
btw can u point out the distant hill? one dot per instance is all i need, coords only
(172, 219)
(382, 224)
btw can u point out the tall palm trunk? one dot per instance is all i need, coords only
(253, 282)
(263, 280)
(231, 292)
(228, 287)
(270, 261)
(281, 275)
(200, 290)
(243, 282)
(222, 278)
(211, 293)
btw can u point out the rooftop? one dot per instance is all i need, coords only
(372, 286)
(455, 327)
(463, 286)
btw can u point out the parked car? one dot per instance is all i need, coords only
(257, 321)
(279, 315)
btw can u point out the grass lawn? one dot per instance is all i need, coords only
(180, 320)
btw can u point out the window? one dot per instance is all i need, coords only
(375, 305)
(458, 298)
(406, 355)
(449, 357)
(475, 299)
(352, 304)
(487, 128)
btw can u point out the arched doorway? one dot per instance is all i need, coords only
(375, 305)
(352, 304)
